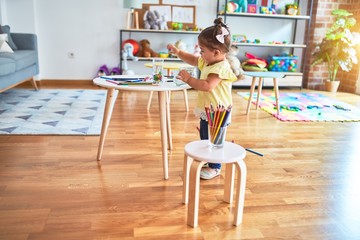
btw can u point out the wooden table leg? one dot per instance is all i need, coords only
(259, 92)
(168, 121)
(149, 100)
(109, 106)
(251, 94)
(186, 100)
(163, 130)
(276, 88)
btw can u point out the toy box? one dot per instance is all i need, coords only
(284, 63)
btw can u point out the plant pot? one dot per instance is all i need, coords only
(331, 86)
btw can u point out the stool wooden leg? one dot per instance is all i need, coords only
(251, 94)
(276, 88)
(194, 188)
(149, 100)
(259, 92)
(186, 172)
(240, 192)
(229, 183)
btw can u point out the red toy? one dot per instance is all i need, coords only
(134, 43)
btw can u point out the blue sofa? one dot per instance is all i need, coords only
(23, 64)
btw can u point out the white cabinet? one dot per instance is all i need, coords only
(272, 30)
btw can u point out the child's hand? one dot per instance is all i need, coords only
(184, 76)
(172, 49)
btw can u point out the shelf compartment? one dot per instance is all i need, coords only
(274, 16)
(270, 45)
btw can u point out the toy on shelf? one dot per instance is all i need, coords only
(145, 50)
(234, 62)
(291, 9)
(162, 23)
(181, 45)
(252, 6)
(177, 26)
(254, 64)
(127, 52)
(134, 43)
(267, 10)
(282, 63)
(238, 38)
(237, 6)
(103, 71)
(151, 20)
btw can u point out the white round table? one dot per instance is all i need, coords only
(162, 90)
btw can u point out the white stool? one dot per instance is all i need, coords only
(198, 153)
(261, 76)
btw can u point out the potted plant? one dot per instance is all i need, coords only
(337, 48)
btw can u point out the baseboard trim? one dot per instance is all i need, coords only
(61, 83)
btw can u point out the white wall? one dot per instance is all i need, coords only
(90, 30)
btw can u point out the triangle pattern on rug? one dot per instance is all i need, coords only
(304, 106)
(52, 112)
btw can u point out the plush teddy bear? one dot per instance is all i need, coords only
(145, 50)
(151, 19)
(234, 61)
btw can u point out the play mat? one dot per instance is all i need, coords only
(301, 106)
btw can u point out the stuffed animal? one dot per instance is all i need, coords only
(162, 23)
(151, 20)
(237, 6)
(197, 50)
(234, 61)
(145, 50)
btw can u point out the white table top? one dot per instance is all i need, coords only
(265, 74)
(166, 86)
(200, 150)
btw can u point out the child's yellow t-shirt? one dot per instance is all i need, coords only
(221, 94)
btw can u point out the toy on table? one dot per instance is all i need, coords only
(282, 63)
(254, 64)
(151, 19)
(145, 50)
(234, 62)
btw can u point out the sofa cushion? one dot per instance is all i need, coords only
(6, 29)
(7, 66)
(23, 58)
(4, 46)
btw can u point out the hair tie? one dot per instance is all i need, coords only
(221, 37)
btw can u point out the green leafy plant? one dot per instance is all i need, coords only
(337, 48)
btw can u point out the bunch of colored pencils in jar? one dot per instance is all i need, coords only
(217, 122)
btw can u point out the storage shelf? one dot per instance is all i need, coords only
(160, 31)
(273, 16)
(270, 45)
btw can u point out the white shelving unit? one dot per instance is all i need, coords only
(296, 46)
(158, 39)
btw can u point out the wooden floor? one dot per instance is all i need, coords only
(306, 186)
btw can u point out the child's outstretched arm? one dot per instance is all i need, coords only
(186, 57)
(206, 85)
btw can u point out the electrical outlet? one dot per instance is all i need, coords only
(71, 55)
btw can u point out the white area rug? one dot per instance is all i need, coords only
(51, 112)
